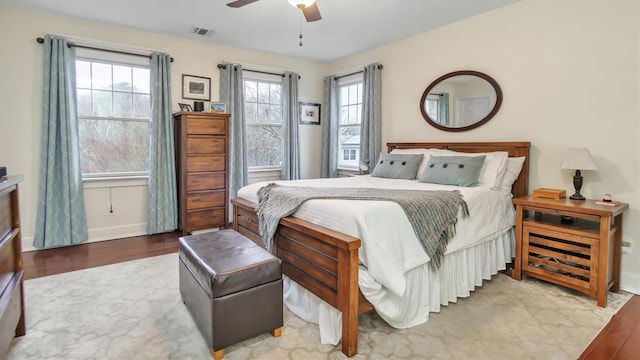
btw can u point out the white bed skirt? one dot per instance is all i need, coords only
(461, 272)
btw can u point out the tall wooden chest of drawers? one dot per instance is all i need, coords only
(202, 166)
(11, 272)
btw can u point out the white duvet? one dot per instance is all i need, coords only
(394, 275)
(389, 246)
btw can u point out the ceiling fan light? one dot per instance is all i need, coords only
(301, 3)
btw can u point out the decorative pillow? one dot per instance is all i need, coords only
(514, 166)
(397, 166)
(495, 164)
(453, 170)
(423, 164)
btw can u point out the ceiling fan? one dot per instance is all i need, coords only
(308, 7)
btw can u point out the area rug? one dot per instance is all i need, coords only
(132, 310)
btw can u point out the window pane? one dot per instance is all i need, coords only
(275, 94)
(250, 91)
(344, 115)
(113, 146)
(251, 112)
(275, 114)
(344, 95)
(263, 92)
(141, 82)
(101, 76)
(349, 145)
(122, 78)
(264, 145)
(84, 102)
(353, 94)
(353, 114)
(83, 74)
(122, 105)
(263, 113)
(102, 103)
(141, 106)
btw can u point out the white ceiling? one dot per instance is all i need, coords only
(347, 26)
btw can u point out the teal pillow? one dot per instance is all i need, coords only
(397, 166)
(453, 170)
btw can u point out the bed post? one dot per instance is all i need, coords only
(348, 287)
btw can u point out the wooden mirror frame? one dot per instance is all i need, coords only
(437, 81)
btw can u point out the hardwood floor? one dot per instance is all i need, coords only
(620, 339)
(55, 261)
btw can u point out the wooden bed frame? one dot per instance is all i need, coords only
(325, 261)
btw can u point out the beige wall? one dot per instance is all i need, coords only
(569, 71)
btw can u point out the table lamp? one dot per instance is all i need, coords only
(578, 159)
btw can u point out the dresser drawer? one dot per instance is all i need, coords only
(205, 181)
(5, 215)
(206, 126)
(205, 144)
(200, 163)
(205, 219)
(205, 199)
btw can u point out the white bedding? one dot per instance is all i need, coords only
(394, 275)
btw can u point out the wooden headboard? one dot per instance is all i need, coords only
(515, 149)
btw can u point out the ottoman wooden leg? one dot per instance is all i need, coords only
(276, 332)
(217, 354)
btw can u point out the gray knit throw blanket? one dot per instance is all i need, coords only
(433, 214)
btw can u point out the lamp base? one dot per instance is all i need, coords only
(577, 196)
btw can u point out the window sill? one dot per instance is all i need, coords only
(110, 182)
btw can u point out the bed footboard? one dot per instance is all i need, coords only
(321, 260)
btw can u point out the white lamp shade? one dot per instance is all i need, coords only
(579, 159)
(303, 3)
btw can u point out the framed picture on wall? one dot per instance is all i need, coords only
(309, 113)
(196, 87)
(217, 107)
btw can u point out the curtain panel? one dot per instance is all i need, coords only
(330, 119)
(371, 129)
(232, 93)
(61, 218)
(163, 198)
(290, 133)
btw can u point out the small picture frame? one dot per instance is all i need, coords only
(217, 107)
(185, 107)
(196, 87)
(309, 113)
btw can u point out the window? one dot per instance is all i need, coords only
(431, 107)
(113, 118)
(349, 154)
(350, 122)
(263, 111)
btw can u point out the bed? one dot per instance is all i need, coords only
(325, 261)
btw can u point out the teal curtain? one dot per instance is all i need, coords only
(371, 129)
(232, 93)
(330, 122)
(443, 109)
(61, 218)
(163, 199)
(291, 113)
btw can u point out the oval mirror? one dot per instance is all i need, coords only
(461, 100)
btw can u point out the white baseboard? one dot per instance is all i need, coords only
(630, 283)
(100, 234)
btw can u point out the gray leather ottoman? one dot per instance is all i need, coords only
(231, 286)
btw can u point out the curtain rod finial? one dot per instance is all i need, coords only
(40, 40)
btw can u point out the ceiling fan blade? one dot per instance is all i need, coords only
(311, 13)
(240, 3)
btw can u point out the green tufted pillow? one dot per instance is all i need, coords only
(396, 166)
(453, 170)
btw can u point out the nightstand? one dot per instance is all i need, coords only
(582, 254)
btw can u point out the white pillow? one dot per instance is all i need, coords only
(493, 169)
(425, 159)
(514, 166)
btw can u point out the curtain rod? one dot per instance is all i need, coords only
(41, 40)
(353, 73)
(224, 66)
